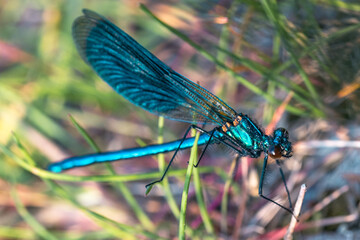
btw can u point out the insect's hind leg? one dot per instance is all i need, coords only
(211, 133)
(283, 179)
(220, 139)
(173, 157)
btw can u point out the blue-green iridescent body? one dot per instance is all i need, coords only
(140, 77)
(144, 80)
(248, 135)
(245, 137)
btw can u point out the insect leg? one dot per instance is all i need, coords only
(211, 134)
(207, 144)
(261, 187)
(172, 159)
(283, 179)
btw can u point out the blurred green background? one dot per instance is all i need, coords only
(291, 63)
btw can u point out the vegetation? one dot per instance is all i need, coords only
(293, 64)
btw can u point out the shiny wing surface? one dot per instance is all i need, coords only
(142, 78)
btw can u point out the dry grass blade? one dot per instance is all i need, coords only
(297, 209)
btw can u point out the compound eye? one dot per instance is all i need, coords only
(284, 132)
(275, 153)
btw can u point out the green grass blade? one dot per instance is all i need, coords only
(184, 198)
(201, 202)
(96, 178)
(28, 157)
(225, 197)
(165, 183)
(16, 233)
(33, 223)
(340, 4)
(126, 193)
(48, 126)
(84, 134)
(121, 231)
(272, 12)
(252, 87)
(106, 223)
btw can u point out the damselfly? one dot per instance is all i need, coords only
(144, 80)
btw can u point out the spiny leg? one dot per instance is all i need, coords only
(283, 179)
(173, 157)
(221, 139)
(207, 144)
(211, 134)
(261, 186)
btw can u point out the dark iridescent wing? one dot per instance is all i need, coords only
(140, 77)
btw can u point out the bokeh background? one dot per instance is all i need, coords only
(293, 64)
